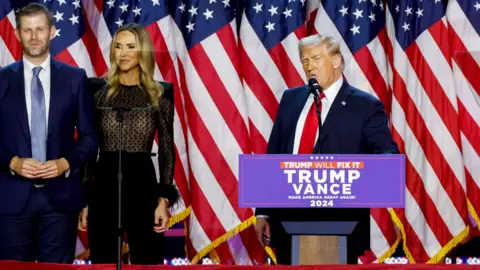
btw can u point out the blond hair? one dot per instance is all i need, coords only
(332, 45)
(146, 62)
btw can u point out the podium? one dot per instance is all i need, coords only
(341, 186)
(319, 242)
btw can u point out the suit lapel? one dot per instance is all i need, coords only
(338, 108)
(56, 87)
(299, 102)
(17, 81)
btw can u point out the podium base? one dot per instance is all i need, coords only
(319, 249)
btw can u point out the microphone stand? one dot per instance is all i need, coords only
(119, 117)
(316, 90)
(319, 116)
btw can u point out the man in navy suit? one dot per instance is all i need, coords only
(353, 122)
(42, 102)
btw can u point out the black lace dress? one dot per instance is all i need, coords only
(140, 188)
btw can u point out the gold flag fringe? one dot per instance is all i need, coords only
(390, 251)
(441, 253)
(222, 239)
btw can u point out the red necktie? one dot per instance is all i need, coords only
(310, 129)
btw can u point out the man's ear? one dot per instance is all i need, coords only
(17, 35)
(53, 30)
(337, 61)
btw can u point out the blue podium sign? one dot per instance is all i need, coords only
(327, 181)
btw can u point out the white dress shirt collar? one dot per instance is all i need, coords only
(332, 91)
(28, 66)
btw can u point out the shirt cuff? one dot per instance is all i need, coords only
(262, 216)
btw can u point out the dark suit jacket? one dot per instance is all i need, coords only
(71, 106)
(355, 124)
(358, 127)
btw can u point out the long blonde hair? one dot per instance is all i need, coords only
(146, 62)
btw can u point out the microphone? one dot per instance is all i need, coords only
(122, 108)
(316, 90)
(314, 86)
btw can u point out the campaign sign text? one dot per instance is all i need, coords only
(334, 181)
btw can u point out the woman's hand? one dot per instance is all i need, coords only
(161, 217)
(82, 219)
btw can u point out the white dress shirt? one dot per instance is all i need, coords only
(44, 76)
(330, 94)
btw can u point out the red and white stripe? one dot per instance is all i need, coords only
(216, 132)
(266, 75)
(465, 61)
(426, 128)
(424, 117)
(10, 48)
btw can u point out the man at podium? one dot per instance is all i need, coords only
(352, 122)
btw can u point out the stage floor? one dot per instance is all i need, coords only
(8, 265)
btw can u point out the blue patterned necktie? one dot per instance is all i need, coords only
(38, 115)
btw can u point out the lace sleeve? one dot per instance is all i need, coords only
(166, 151)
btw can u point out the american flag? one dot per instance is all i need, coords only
(269, 34)
(196, 50)
(405, 53)
(416, 56)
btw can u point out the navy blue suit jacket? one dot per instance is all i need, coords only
(71, 106)
(355, 124)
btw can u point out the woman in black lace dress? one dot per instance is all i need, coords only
(145, 200)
